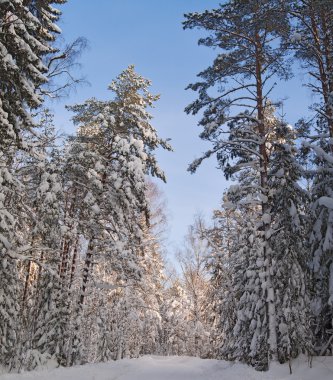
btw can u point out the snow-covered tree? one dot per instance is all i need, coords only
(247, 146)
(115, 146)
(223, 241)
(289, 242)
(312, 39)
(9, 313)
(27, 30)
(195, 278)
(237, 121)
(175, 317)
(153, 268)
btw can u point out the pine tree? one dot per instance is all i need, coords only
(115, 145)
(252, 54)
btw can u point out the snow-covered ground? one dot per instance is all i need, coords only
(181, 368)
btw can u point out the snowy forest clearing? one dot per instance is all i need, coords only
(183, 368)
(84, 273)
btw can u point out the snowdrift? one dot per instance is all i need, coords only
(182, 368)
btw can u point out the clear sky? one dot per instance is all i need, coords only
(149, 34)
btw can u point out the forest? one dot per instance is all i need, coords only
(84, 274)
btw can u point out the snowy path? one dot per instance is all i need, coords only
(180, 368)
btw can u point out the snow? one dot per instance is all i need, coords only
(280, 173)
(266, 218)
(330, 285)
(183, 368)
(326, 201)
(296, 37)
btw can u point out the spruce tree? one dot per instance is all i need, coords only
(27, 31)
(26, 37)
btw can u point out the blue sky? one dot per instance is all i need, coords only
(149, 34)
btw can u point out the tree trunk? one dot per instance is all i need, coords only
(26, 284)
(269, 293)
(86, 271)
(74, 260)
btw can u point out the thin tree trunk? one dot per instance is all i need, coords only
(64, 259)
(86, 271)
(40, 270)
(74, 260)
(26, 284)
